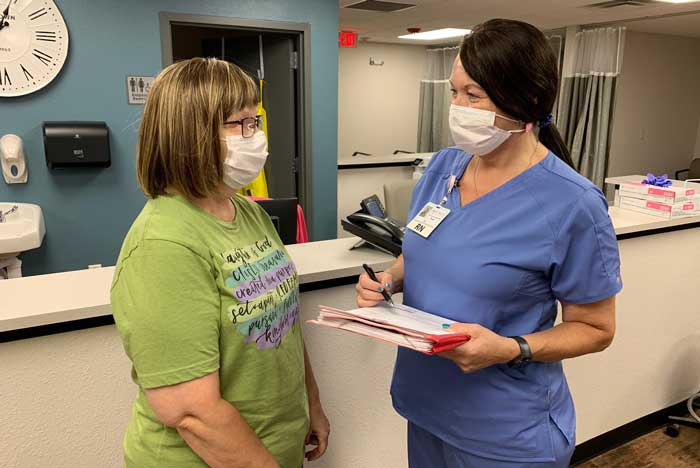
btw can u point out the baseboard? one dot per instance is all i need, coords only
(623, 434)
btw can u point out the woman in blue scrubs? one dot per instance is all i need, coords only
(524, 232)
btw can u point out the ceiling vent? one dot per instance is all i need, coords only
(380, 6)
(620, 3)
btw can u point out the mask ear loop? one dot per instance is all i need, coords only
(527, 129)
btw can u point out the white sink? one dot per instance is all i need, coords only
(22, 229)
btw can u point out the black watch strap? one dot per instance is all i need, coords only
(525, 352)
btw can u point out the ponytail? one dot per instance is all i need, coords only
(550, 137)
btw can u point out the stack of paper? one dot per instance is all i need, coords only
(398, 324)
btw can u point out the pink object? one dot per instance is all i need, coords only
(661, 192)
(302, 234)
(440, 343)
(658, 206)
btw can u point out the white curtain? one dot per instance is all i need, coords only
(434, 106)
(587, 99)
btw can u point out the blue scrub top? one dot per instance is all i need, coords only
(503, 261)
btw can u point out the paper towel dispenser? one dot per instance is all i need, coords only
(76, 144)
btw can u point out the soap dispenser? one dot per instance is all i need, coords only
(14, 167)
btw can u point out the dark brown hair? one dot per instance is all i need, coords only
(514, 64)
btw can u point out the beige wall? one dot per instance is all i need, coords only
(378, 105)
(657, 111)
(696, 153)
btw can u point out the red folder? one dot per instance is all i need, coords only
(399, 324)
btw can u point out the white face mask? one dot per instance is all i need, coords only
(473, 130)
(245, 159)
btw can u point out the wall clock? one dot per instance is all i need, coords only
(33, 45)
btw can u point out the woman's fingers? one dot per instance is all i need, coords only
(369, 284)
(369, 292)
(387, 281)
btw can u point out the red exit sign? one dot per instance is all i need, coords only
(347, 39)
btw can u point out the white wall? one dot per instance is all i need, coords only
(66, 398)
(378, 105)
(356, 184)
(657, 111)
(654, 360)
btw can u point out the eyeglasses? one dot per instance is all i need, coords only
(249, 125)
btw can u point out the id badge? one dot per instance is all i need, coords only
(428, 219)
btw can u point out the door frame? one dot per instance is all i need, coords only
(303, 30)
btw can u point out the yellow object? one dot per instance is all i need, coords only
(258, 187)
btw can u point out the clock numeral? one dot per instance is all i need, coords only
(28, 76)
(37, 14)
(47, 36)
(42, 56)
(5, 78)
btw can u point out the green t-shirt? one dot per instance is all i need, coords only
(192, 294)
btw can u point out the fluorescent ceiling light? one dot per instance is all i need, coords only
(436, 34)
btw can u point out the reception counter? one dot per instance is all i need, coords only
(48, 300)
(67, 391)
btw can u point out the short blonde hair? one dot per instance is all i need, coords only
(179, 144)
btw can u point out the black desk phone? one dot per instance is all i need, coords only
(373, 225)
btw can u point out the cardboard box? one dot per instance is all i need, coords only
(676, 193)
(663, 210)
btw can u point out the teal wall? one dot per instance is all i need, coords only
(88, 212)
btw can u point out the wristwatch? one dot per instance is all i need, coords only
(525, 352)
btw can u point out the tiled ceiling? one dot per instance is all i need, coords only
(546, 14)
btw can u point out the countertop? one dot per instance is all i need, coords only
(75, 295)
(40, 300)
(360, 160)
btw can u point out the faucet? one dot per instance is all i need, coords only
(3, 216)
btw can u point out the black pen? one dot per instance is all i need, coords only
(373, 277)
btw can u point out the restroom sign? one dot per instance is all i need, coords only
(137, 88)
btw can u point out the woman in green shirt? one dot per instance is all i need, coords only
(204, 295)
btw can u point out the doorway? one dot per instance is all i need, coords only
(274, 55)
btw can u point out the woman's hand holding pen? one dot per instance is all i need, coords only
(369, 292)
(485, 348)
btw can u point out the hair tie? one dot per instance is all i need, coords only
(545, 122)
